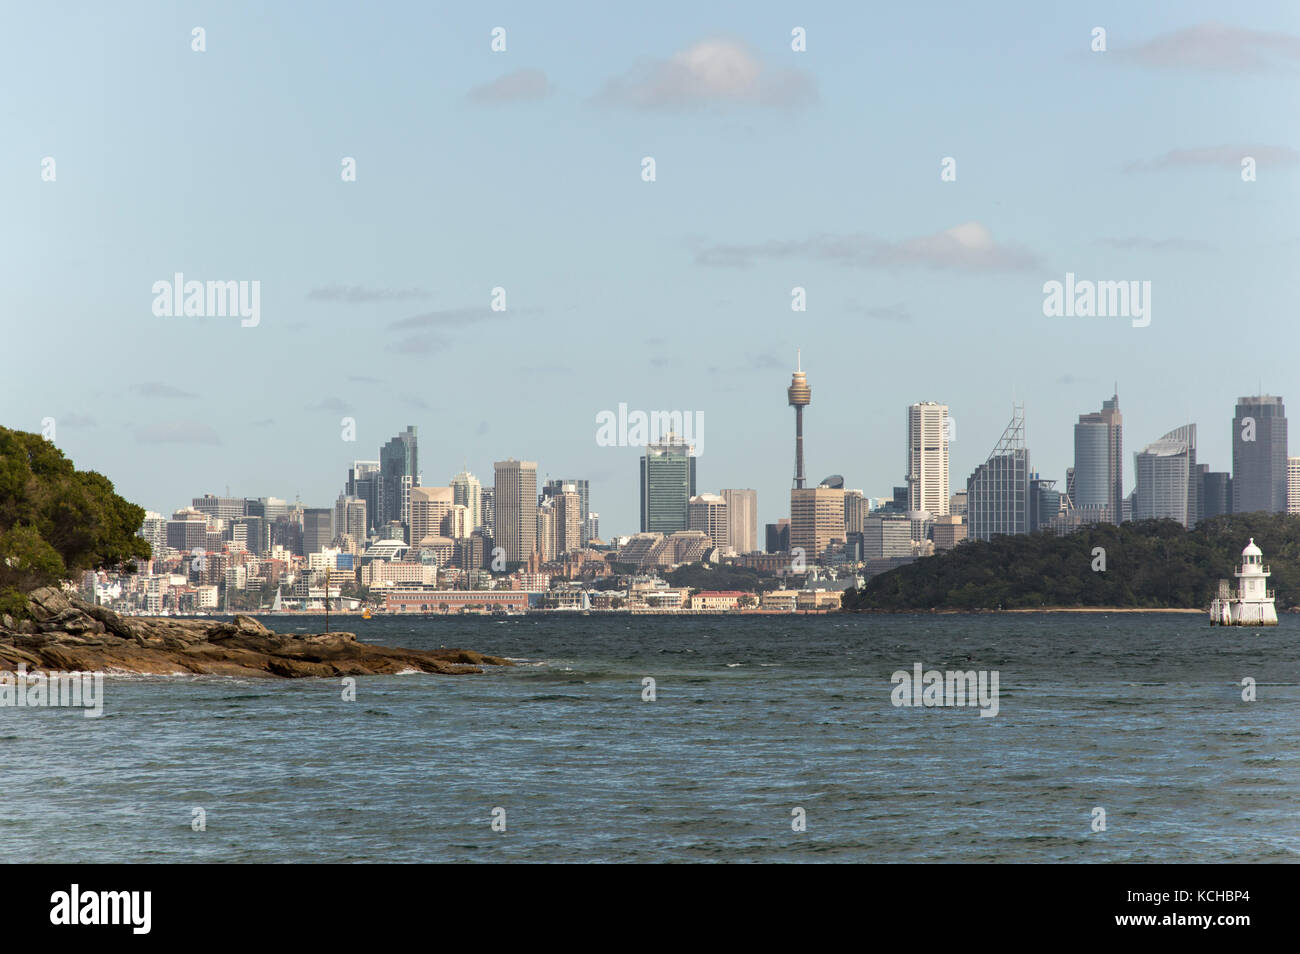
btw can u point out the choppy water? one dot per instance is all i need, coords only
(1139, 715)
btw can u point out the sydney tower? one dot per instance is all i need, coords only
(800, 396)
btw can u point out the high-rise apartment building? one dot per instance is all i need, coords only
(997, 494)
(1259, 455)
(927, 458)
(742, 518)
(1099, 465)
(667, 485)
(1293, 485)
(515, 502)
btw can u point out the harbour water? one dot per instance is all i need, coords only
(1141, 716)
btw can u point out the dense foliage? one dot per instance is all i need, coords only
(56, 520)
(1152, 564)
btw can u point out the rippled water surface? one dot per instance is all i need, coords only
(1140, 715)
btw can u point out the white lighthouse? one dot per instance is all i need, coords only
(1252, 604)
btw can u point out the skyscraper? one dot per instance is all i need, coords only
(742, 519)
(468, 492)
(317, 529)
(1293, 485)
(515, 500)
(927, 458)
(667, 485)
(363, 483)
(1168, 480)
(799, 395)
(708, 513)
(429, 509)
(580, 486)
(1259, 452)
(997, 494)
(816, 520)
(1099, 465)
(399, 458)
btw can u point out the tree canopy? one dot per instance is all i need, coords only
(56, 520)
(1148, 564)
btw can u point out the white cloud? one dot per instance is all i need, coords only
(519, 86)
(970, 246)
(1228, 157)
(1217, 47)
(710, 72)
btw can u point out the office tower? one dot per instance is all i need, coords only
(1099, 465)
(364, 477)
(1044, 503)
(546, 547)
(816, 520)
(350, 517)
(568, 521)
(1216, 492)
(187, 530)
(257, 534)
(949, 530)
(317, 529)
(456, 524)
(708, 514)
(270, 508)
(220, 508)
(777, 536)
(927, 458)
(286, 532)
(1168, 480)
(957, 503)
(398, 459)
(591, 528)
(515, 501)
(429, 508)
(487, 502)
(799, 396)
(1259, 453)
(997, 494)
(855, 511)
(1293, 485)
(667, 485)
(742, 519)
(154, 530)
(468, 492)
(886, 536)
(580, 486)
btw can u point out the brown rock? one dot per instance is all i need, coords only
(68, 634)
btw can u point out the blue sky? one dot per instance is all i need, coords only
(522, 169)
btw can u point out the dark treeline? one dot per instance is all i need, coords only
(56, 520)
(1151, 563)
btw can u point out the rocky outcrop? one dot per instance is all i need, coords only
(71, 635)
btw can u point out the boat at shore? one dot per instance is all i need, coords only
(1252, 603)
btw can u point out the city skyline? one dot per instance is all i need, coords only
(935, 285)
